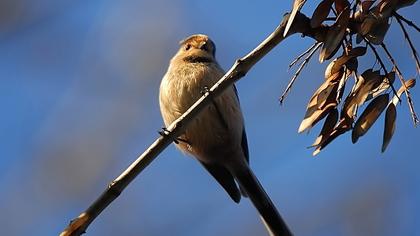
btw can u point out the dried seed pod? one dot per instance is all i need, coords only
(369, 81)
(328, 127)
(374, 28)
(321, 13)
(339, 62)
(386, 84)
(405, 3)
(320, 104)
(366, 5)
(340, 5)
(334, 36)
(369, 116)
(409, 84)
(342, 127)
(390, 117)
(387, 7)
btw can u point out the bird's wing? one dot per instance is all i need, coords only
(244, 141)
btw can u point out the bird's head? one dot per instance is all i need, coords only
(197, 48)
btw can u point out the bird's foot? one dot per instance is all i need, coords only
(204, 90)
(164, 132)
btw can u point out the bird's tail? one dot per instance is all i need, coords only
(262, 202)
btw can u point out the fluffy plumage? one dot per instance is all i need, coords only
(216, 138)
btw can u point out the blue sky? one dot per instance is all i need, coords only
(79, 102)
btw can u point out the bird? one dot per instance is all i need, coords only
(216, 137)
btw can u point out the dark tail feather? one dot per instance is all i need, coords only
(225, 178)
(262, 202)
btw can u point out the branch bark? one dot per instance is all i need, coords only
(301, 24)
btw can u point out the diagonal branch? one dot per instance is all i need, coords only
(413, 49)
(297, 59)
(301, 24)
(406, 90)
(297, 73)
(378, 58)
(408, 22)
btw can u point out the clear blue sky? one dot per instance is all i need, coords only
(79, 85)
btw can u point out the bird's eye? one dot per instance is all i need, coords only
(187, 47)
(204, 46)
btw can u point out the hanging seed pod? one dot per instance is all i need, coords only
(321, 13)
(390, 117)
(328, 127)
(369, 116)
(334, 36)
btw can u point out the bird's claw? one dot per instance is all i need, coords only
(205, 90)
(164, 132)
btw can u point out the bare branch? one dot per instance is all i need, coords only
(331, 18)
(406, 90)
(292, 81)
(382, 66)
(297, 59)
(413, 49)
(408, 22)
(301, 24)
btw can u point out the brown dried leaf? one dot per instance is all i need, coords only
(352, 65)
(321, 13)
(368, 81)
(336, 76)
(366, 5)
(405, 3)
(386, 83)
(390, 117)
(340, 5)
(374, 28)
(328, 127)
(342, 85)
(367, 25)
(386, 7)
(329, 92)
(334, 36)
(321, 102)
(409, 84)
(343, 126)
(349, 108)
(317, 115)
(338, 63)
(359, 38)
(359, 16)
(357, 51)
(297, 5)
(369, 116)
(363, 11)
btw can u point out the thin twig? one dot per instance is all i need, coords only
(408, 22)
(301, 24)
(413, 49)
(297, 59)
(332, 18)
(378, 58)
(292, 81)
(334, 11)
(355, 5)
(406, 90)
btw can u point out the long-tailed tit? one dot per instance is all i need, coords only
(216, 138)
